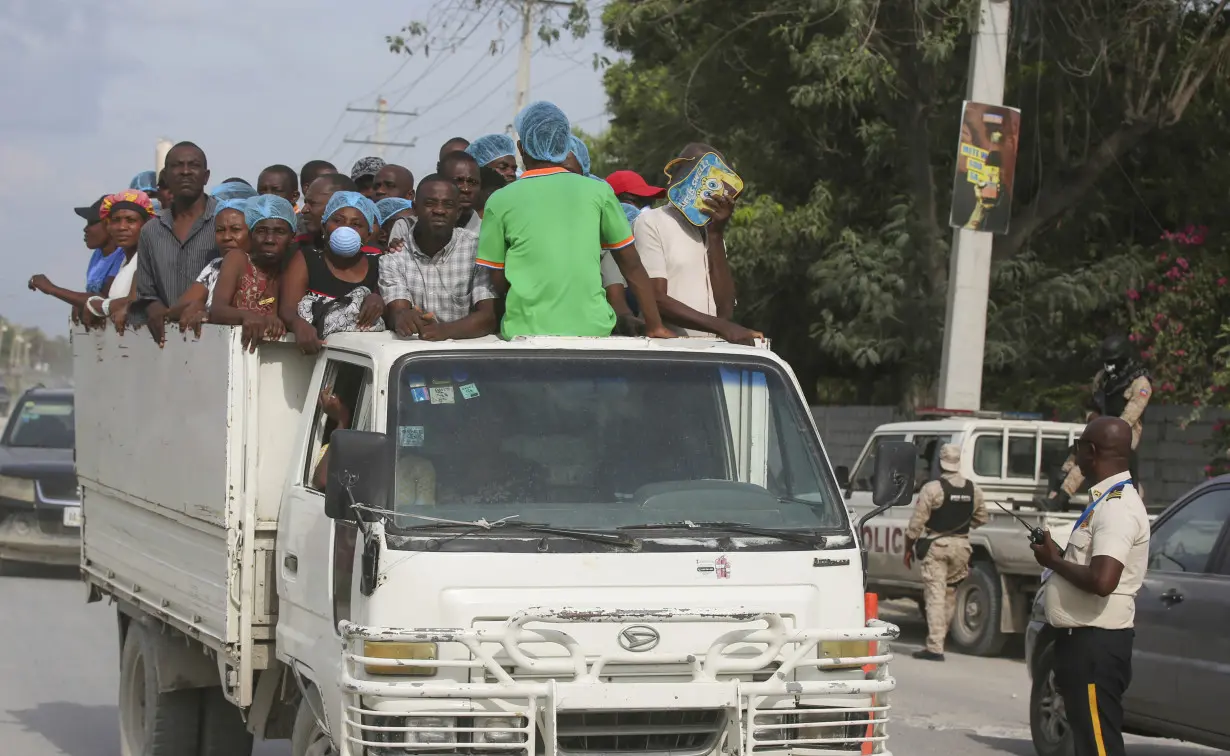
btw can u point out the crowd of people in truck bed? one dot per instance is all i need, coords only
(477, 247)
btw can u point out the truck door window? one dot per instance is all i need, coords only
(867, 467)
(1022, 456)
(1054, 454)
(926, 465)
(1186, 540)
(351, 384)
(988, 455)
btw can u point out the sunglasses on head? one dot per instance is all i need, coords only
(674, 163)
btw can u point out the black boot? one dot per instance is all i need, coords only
(926, 655)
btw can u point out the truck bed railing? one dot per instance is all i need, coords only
(750, 699)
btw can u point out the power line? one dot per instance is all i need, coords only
(451, 51)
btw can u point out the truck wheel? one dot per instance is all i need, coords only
(223, 732)
(975, 623)
(1048, 721)
(307, 739)
(153, 723)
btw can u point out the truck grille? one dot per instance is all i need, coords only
(678, 731)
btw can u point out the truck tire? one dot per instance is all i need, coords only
(1048, 722)
(223, 731)
(153, 723)
(308, 739)
(975, 623)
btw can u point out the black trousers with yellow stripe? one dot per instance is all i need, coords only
(1093, 668)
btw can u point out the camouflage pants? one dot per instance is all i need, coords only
(946, 565)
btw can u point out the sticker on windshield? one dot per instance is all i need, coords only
(441, 394)
(419, 394)
(410, 435)
(413, 380)
(469, 391)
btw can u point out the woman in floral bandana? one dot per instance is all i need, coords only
(125, 214)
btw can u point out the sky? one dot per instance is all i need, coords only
(90, 88)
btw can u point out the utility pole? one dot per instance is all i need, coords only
(969, 268)
(527, 51)
(382, 112)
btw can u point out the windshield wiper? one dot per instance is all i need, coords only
(793, 536)
(611, 539)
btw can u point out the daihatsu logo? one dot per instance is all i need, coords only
(639, 638)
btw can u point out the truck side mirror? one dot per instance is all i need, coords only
(360, 471)
(843, 476)
(893, 484)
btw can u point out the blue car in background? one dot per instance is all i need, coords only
(40, 507)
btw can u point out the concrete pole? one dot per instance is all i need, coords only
(969, 269)
(160, 154)
(527, 53)
(382, 117)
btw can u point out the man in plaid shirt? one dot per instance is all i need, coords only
(428, 278)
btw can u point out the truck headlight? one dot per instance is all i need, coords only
(510, 735)
(17, 489)
(399, 652)
(431, 738)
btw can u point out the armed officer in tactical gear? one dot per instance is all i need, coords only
(1120, 389)
(947, 510)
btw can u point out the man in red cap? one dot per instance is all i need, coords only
(631, 188)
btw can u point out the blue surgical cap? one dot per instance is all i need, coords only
(232, 204)
(390, 206)
(268, 206)
(490, 148)
(578, 148)
(351, 199)
(233, 190)
(544, 132)
(146, 181)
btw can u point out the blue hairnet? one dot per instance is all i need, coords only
(233, 190)
(351, 199)
(232, 204)
(578, 148)
(490, 148)
(268, 206)
(544, 132)
(390, 206)
(631, 211)
(146, 181)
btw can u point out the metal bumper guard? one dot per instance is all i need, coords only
(761, 717)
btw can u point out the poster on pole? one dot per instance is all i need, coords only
(986, 166)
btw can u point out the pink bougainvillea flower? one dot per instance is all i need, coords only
(1221, 281)
(1182, 261)
(1133, 294)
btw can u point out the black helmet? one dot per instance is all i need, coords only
(1114, 349)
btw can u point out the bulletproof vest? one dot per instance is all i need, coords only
(954, 516)
(1111, 401)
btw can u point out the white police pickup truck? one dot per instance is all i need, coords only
(1011, 457)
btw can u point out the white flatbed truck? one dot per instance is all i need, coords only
(539, 546)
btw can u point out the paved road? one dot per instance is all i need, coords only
(58, 665)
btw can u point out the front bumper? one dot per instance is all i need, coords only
(38, 536)
(564, 705)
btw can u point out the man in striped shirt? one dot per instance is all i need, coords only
(543, 235)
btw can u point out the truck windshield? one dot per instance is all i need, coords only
(603, 442)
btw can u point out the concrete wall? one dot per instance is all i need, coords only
(846, 429)
(1172, 458)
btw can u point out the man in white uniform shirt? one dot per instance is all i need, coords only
(1090, 590)
(691, 278)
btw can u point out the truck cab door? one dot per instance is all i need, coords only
(309, 542)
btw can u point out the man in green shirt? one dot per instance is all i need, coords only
(542, 238)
